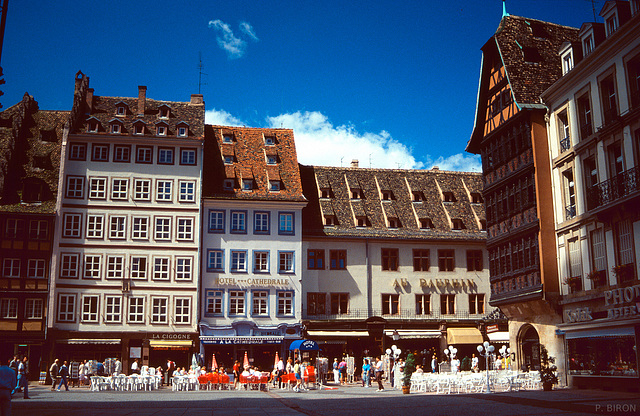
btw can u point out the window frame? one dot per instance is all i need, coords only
(138, 267)
(266, 223)
(215, 299)
(475, 260)
(38, 267)
(137, 231)
(336, 257)
(74, 187)
(134, 315)
(157, 317)
(219, 220)
(141, 189)
(475, 306)
(237, 303)
(260, 299)
(185, 229)
(11, 267)
(184, 265)
(286, 257)
(235, 257)
(421, 259)
(423, 304)
(115, 267)
(187, 151)
(165, 233)
(217, 255)
(286, 299)
(119, 189)
(315, 259)
(257, 261)
(98, 187)
(103, 149)
(78, 151)
(125, 153)
(69, 268)
(93, 270)
(112, 309)
(286, 223)
(444, 259)
(31, 311)
(163, 152)
(390, 259)
(182, 311)
(9, 308)
(162, 193)
(165, 263)
(184, 194)
(390, 302)
(144, 154)
(66, 314)
(120, 230)
(235, 225)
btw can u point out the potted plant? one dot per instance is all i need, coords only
(574, 282)
(623, 272)
(547, 369)
(409, 369)
(597, 277)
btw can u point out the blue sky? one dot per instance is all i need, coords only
(391, 83)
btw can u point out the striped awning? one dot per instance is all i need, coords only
(233, 340)
(176, 343)
(78, 341)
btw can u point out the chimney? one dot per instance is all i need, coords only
(142, 99)
(196, 99)
(354, 163)
(435, 168)
(89, 100)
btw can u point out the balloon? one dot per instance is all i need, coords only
(388, 351)
(446, 351)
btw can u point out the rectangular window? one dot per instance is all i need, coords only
(182, 311)
(390, 303)
(112, 309)
(144, 154)
(100, 152)
(389, 257)
(286, 262)
(117, 227)
(285, 223)
(423, 304)
(447, 304)
(239, 222)
(95, 226)
(97, 188)
(11, 268)
(138, 267)
(476, 303)
(69, 266)
(214, 302)
(185, 229)
(238, 261)
(66, 307)
(584, 116)
(261, 222)
(315, 259)
(92, 265)
(78, 151)
(474, 260)
(575, 259)
(184, 268)
(261, 262)
(159, 310)
(75, 187)
(285, 303)
(421, 262)
(161, 268)
(215, 260)
(188, 156)
(34, 309)
(260, 299)
(187, 191)
(339, 303)
(216, 221)
(36, 268)
(338, 259)
(609, 100)
(136, 310)
(165, 156)
(122, 153)
(72, 225)
(119, 189)
(236, 302)
(38, 229)
(9, 308)
(316, 303)
(625, 248)
(14, 228)
(140, 228)
(599, 250)
(446, 260)
(163, 229)
(115, 267)
(163, 190)
(141, 189)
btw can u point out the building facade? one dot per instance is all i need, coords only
(395, 257)
(251, 245)
(519, 62)
(125, 259)
(594, 139)
(28, 188)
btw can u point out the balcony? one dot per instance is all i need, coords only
(610, 116)
(586, 130)
(565, 144)
(403, 314)
(570, 211)
(614, 189)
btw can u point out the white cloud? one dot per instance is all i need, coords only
(319, 142)
(234, 46)
(248, 30)
(458, 162)
(221, 118)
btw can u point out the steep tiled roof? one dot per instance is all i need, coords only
(30, 152)
(529, 50)
(402, 187)
(248, 152)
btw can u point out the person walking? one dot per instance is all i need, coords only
(236, 374)
(8, 380)
(297, 370)
(135, 367)
(118, 367)
(379, 371)
(63, 373)
(53, 373)
(336, 371)
(366, 368)
(23, 373)
(434, 363)
(343, 371)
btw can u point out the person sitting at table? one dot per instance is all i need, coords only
(159, 374)
(419, 369)
(257, 373)
(176, 372)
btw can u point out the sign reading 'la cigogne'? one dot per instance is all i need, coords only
(250, 281)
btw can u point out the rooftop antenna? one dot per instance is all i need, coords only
(504, 8)
(370, 160)
(341, 161)
(593, 7)
(200, 73)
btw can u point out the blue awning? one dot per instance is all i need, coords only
(304, 345)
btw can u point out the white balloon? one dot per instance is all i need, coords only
(398, 351)
(393, 347)
(446, 351)
(388, 351)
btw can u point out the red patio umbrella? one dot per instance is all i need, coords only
(245, 363)
(214, 363)
(275, 363)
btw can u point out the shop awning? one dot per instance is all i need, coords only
(414, 333)
(77, 341)
(602, 333)
(228, 340)
(499, 337)
(464, 336)
(336, 334)
(304, 345)
(177, 343)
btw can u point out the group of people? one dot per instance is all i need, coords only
(13, 379)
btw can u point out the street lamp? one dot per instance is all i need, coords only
(488, 349)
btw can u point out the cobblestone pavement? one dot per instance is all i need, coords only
(341, 401)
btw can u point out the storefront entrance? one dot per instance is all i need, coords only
(529, 343)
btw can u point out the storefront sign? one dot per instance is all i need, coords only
(492, 328)
(170, 336)
(243, 340)
(577, 315)
(250, 282)
(447, 282)
(622, 296)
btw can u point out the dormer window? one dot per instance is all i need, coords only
(635, 7)
(448, 197)
(121, 110)
(227, 138)
(330, 220)
(476, 198)
(387, 196)
(426, 223)
(228, 160)
(326, 193)
(457, 224)
(612, 25)
(274, 186)
(247, 184)
(163, 112)
(227, 185)
(138, 128)
(362, 222)
(418, 196)
(161, 130)
(92, 126)
(182, 131)
(567, 62)
(357, 194)
(116, 128)
(483, 225)
(272, 160)
(394, 222)
(269, 141)
(588, 45)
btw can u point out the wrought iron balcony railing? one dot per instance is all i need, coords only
(618, 187)
(586, 130)
(570, 211)
(565, 144)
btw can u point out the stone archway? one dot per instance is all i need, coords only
(529, 348)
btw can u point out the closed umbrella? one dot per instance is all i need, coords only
(214, 363)
(275, 363)
(245, 362)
